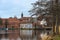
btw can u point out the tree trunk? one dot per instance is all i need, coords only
(54, 25)
(57, 17)
(57, 24)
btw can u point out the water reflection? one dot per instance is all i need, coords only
(27, 38)
(28, 34)
(17, 39)
(10, 39)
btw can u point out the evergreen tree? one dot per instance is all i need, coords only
(0, 21)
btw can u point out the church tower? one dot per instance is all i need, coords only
(22, 15)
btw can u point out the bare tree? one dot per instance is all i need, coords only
(41, 7)
(45, 7)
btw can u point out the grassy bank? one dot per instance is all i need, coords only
(57, 37)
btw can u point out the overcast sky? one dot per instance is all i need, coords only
(11, 8)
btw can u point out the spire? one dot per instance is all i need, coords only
(21, 14)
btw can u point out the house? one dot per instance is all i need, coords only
(9, 28)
